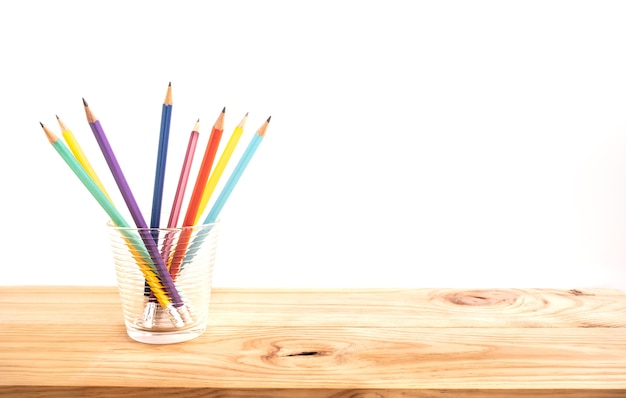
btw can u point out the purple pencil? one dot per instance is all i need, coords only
(140, 222)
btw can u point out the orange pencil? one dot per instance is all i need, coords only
(196, 197)
(205, 170)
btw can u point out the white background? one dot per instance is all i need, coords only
(412, 144)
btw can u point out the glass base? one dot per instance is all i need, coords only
(168, 337)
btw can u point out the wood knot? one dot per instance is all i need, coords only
(302, 353)
(577, 292)
(477, 298)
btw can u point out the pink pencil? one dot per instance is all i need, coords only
(184, 177)
(180, 191)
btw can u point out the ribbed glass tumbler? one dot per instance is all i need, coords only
(164, 278)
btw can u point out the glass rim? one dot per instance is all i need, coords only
(109, 224)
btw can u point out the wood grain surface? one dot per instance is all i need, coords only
(384, 343)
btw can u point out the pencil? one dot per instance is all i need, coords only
(225, 193)
(196, 196)
(180, 191)
(76, 149)
(112, 212)
(184, 176)
(127, 194)
(159, 178)
(220, 166)
(257, 138)
(73, 145)
(205, 169)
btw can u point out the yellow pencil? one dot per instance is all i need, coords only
(140, 254)
(144, 265)
(220, 166)
(72, 143)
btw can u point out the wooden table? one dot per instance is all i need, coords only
(70, 341)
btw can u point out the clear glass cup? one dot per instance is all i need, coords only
(164, 278)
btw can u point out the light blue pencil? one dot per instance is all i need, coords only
(226, 191)
(236, 174)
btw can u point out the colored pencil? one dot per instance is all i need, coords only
(112, 212)
(184, 176)
(72, 143)
(225, 193)
(76, 149)
(159, 178)
(220, 166)
(180, 190)
(140, 222)
(196, 196)
(205, 170)
(230, 184)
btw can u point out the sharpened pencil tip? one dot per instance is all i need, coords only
(198, 121)
(246, 114)
(61, 124)
(224, 110)
(168, 96)
(85, 102)
(51, 137)
(263, 128)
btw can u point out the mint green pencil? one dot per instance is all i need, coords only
(134, 242)
(84, 177)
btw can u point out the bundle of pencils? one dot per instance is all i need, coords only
(159, 273)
